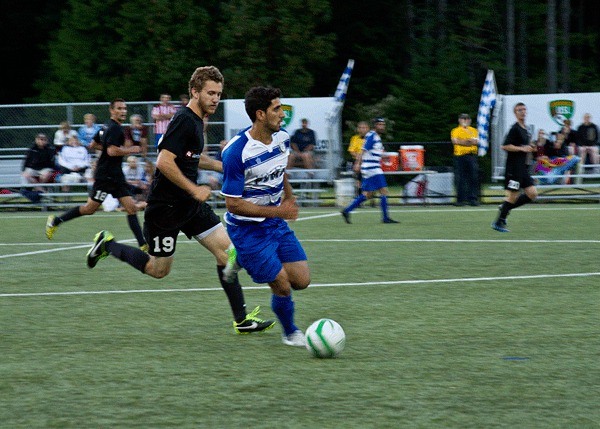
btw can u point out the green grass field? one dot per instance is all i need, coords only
(449, 324)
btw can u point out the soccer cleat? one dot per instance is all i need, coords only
(295, 339)
(253, 324)
(500, 226)
(98, 250)
(346, 216)
(388, 220)
(232, 268)
(50, 228)
(144, 247)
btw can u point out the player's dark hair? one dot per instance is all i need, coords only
(202, 75)
(259, 98)
(115, 101)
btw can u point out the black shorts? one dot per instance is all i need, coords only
(164, 221)
(517, 180)
(102, 188)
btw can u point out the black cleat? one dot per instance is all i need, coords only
(253, 324)
(388, 220)
(346, 216)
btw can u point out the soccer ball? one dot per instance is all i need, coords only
(325, 338)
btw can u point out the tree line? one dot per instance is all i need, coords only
(418, 62)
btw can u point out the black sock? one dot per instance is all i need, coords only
(68, 215)
(235, 295)
(523, 199)
(505, 209)
(134, 225)
(132, 255)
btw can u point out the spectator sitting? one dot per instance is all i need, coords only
(62, 135)
(213, 179)
(303, 143)
(137, 134)
(148, 177)
(38, 166)
(554, 161)
(134, 174)
(87, 132)
(571, 137)
(73, 162)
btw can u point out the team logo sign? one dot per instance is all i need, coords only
(289, 114)
(561, 110)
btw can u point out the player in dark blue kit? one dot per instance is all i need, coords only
(516, 175)
(176, 203)
(109, 177)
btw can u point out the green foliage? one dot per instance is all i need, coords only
(274, 43)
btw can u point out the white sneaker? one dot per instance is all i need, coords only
(295, 339)
(232, 268)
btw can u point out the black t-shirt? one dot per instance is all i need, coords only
(588, 135)
(517, 136)
(184, 138)
(304, 138)
(109, 167)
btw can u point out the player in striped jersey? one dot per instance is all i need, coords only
(259, 199)
(373, 179)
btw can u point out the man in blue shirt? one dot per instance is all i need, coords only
(259, 199)
(368, 163)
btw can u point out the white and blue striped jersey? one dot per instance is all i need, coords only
(254, 171)
(371, 156)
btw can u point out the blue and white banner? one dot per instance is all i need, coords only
(341, 91)
(486, 104)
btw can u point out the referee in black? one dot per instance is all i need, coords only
(516, 175)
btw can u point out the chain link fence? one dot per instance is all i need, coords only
(19, 123)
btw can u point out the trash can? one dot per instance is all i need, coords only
(344, 191)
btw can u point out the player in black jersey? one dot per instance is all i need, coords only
(518, 144)
(109, 177)
(176, 203)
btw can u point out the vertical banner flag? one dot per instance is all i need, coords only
(486, 104)
(341, 91)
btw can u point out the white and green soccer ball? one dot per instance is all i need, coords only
(325, 338)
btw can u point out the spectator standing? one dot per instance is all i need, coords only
(39, 163)
(373, 180)
(184, 99)
(89, 129)
(136, 134)
(303, 143)
(109, 178)
(355, 148)
(517, 145)
(162, 114)
(63, 134)
(588, 140)
(466, 167)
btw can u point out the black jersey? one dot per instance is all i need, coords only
(184, 138)
(517, 136)
(110, 167)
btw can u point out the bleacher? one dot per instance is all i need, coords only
(307, 184)
(584, 184)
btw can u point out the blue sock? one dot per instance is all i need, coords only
(357, 202)
(384, 206)
(283, 307)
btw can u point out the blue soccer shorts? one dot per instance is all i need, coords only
(373, 183)
(263, 248)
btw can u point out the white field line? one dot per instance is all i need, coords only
(75, 246)
(349, 284)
